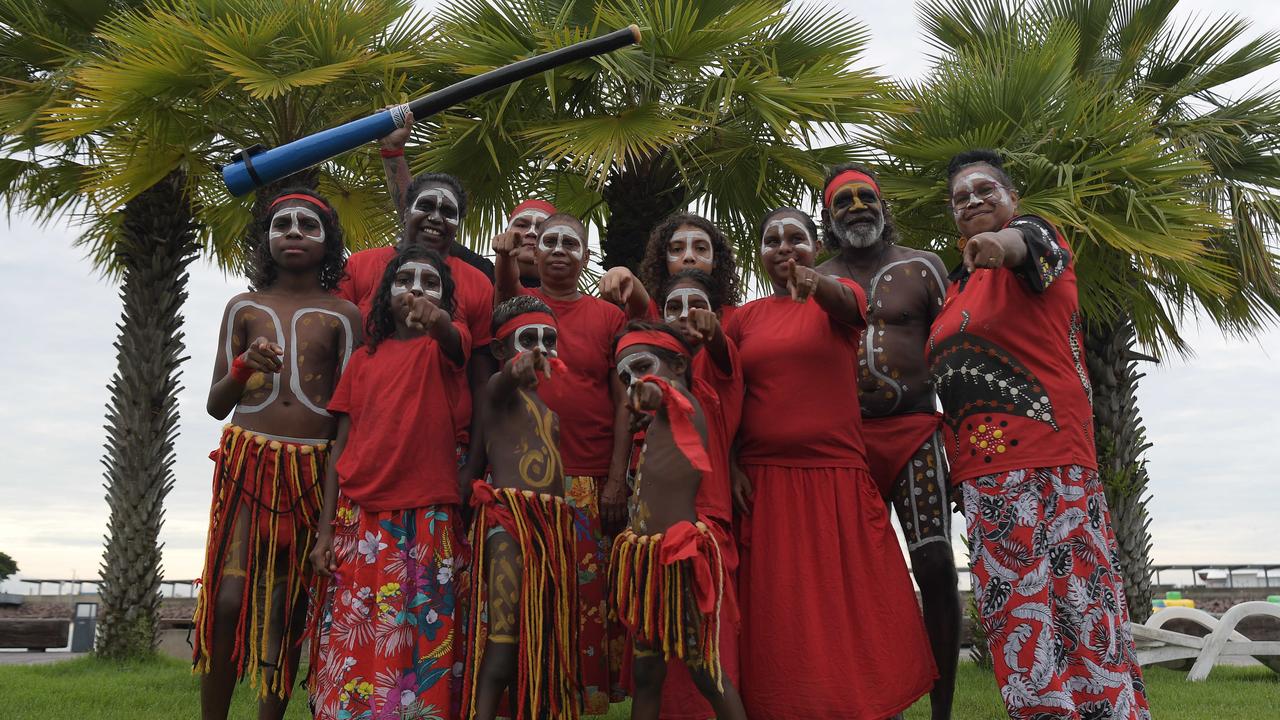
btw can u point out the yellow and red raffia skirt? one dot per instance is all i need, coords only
(667, 589)
(546, 622)
(262, 526)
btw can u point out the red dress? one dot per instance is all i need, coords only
(1007, 358)
(386, 645)
(581, 397)
(830, 625)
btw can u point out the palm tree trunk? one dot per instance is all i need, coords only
(1121, 440)
(142, 418)
(639, 197)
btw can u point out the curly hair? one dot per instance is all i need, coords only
(975, 157)
(890, 232)
(381, 323)
(260, 268)
(662, 353)
(708, 283)
(724, 264)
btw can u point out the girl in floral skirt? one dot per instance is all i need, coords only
(389, 545)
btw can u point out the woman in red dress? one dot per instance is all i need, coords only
(831, 628)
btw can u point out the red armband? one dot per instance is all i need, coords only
(680, 415)
(391, 152)
(240, 371)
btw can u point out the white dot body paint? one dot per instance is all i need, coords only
(418, 268)
(690, 238)
(560, 232)
(439, 194)
(539, 344)
(294, 213)
(684, 294)
(999, 194)
(630, 361)
(295, 377)
(780, 225)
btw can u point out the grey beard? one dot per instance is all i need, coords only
(861, 235)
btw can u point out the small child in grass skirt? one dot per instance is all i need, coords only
(666, 573)
(251, 612)
(392, 546)
(524, 623)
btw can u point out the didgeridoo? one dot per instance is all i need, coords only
(258, 166)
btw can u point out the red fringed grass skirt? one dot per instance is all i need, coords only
(273, 488)
(667, 589)
(542, 527)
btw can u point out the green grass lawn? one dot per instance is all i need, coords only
(164, 688)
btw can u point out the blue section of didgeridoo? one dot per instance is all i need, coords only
(273, 164)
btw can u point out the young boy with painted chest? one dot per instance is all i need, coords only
(666, 571)
(282, 346)
(524, 632)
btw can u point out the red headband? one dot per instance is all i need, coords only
(540, 205)
(655, 338)
(300, 196)
(843, 178)
(519, 321)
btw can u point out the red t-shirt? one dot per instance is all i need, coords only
(582, 397)
(799, 367)
(400, 451)
(472, 294)
(720, 395)
(1007, 358)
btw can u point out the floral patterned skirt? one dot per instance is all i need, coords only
(1052, 603)
(386, 643)
(594, 640)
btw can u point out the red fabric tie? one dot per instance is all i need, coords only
(680, 414)
(681, 542)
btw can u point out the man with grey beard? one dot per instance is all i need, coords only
(905, 289)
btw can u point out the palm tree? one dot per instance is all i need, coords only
(127, 128)
(1113, 118)
(718, 107)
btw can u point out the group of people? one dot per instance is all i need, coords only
(478, 492)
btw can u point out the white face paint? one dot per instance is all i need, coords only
(437, 195)
(554, 237)
(303, 221)
(419, 270)
(777, 229)
(697, 245)
(534, 216)
(977, 188)
(536, 336)
(670, 314)
(636, 365)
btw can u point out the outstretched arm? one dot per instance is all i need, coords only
(506, 271)
(620, 286)
(229, 379)
(836, 298)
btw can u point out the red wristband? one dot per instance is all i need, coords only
(240, 371)
(391, 152)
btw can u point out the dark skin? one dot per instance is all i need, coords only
(560, 268)
(787, 255)
(522, 442)
(416, 315)
(321, 341)
(665, 489)
(905, 289)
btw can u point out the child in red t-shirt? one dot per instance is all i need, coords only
(386, 645)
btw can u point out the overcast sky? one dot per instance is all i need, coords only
(1215, 489)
